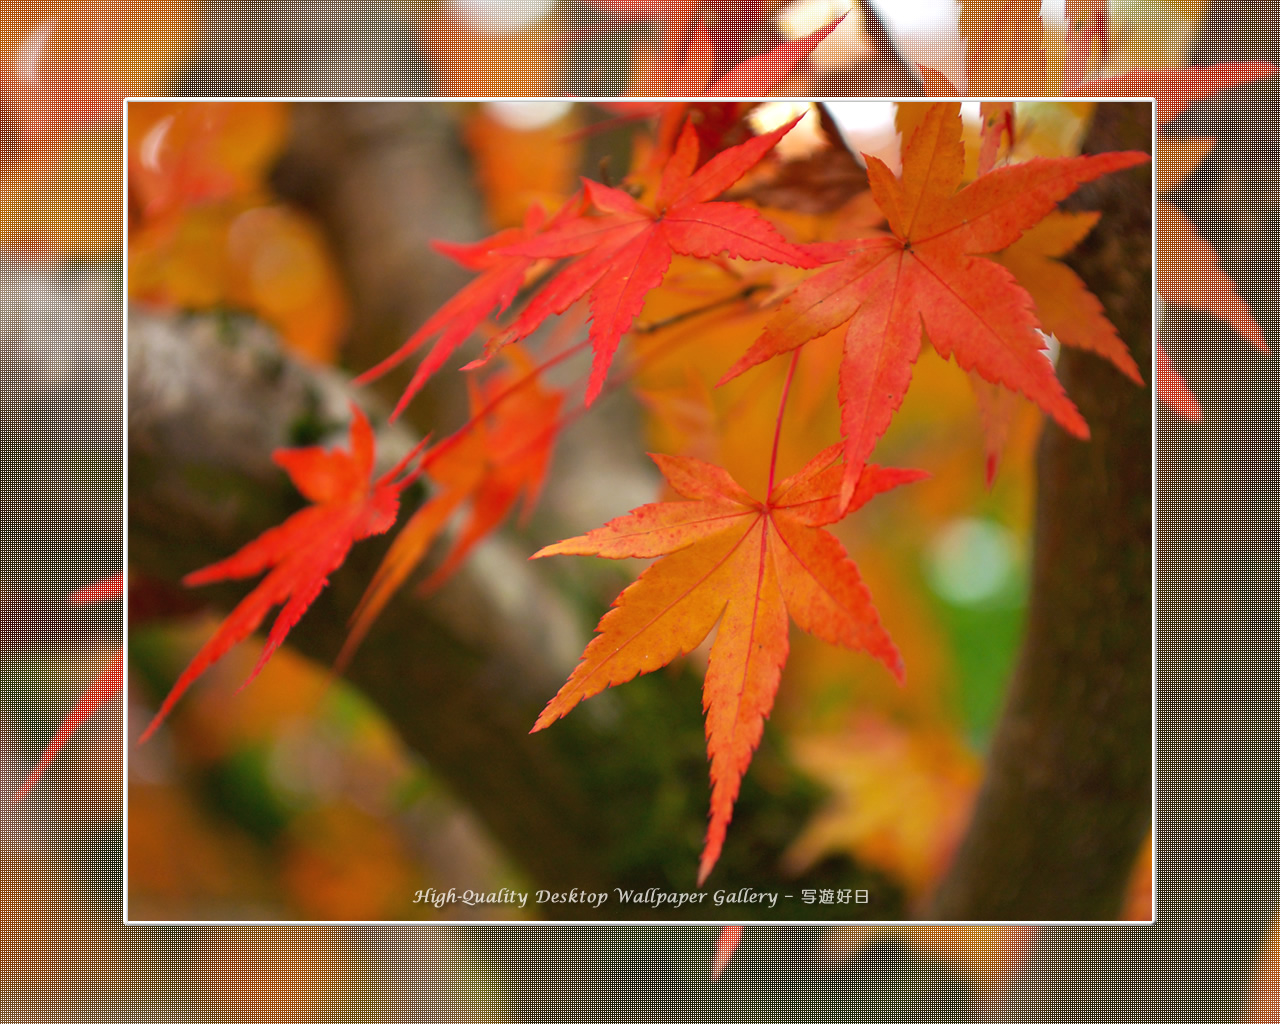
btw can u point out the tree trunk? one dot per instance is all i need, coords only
(1218, 732)
(1066, 800)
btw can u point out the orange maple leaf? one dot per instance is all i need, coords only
(900, 796)
(623, 253)
(304, 550)
(1067, 310)
(1066, 307)
(745, 564)
(927, 275)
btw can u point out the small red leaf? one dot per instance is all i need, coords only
(1177, 89)
(761, 74)
(302, 552)
(1173, 390)
(623, 251)
(110, 589)
(502, 275)
(107, 684)
(501, 455)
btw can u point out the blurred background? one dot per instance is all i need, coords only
(296, 799)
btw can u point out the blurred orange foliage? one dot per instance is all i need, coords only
(519, 166)
(65, 68)
(901, 798)
(205, 232)
(987, 955)
(467, 62)
(219, 872)
(1264, 991)
(183, 154)
(341, 863)
(286, 975)
(1139, 901)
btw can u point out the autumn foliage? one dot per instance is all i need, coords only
(348, 505)
(776, 248)
(710, 224)
(923, 277)
(742, 564)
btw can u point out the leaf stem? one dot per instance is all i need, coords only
(782, 408)
(689, 314)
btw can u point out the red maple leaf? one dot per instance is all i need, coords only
(745, 564)
(1176, 89)
(712, 47)
(110, 589)
(303, 551)
(624, 251)
(106, 685)
(928, 275)
(761, 74)
(1173, 389)
(680, 20)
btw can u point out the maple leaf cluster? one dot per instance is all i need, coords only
(926, 256)
(728, 561)
(917, 261)
(923, 276)
(970, 267)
